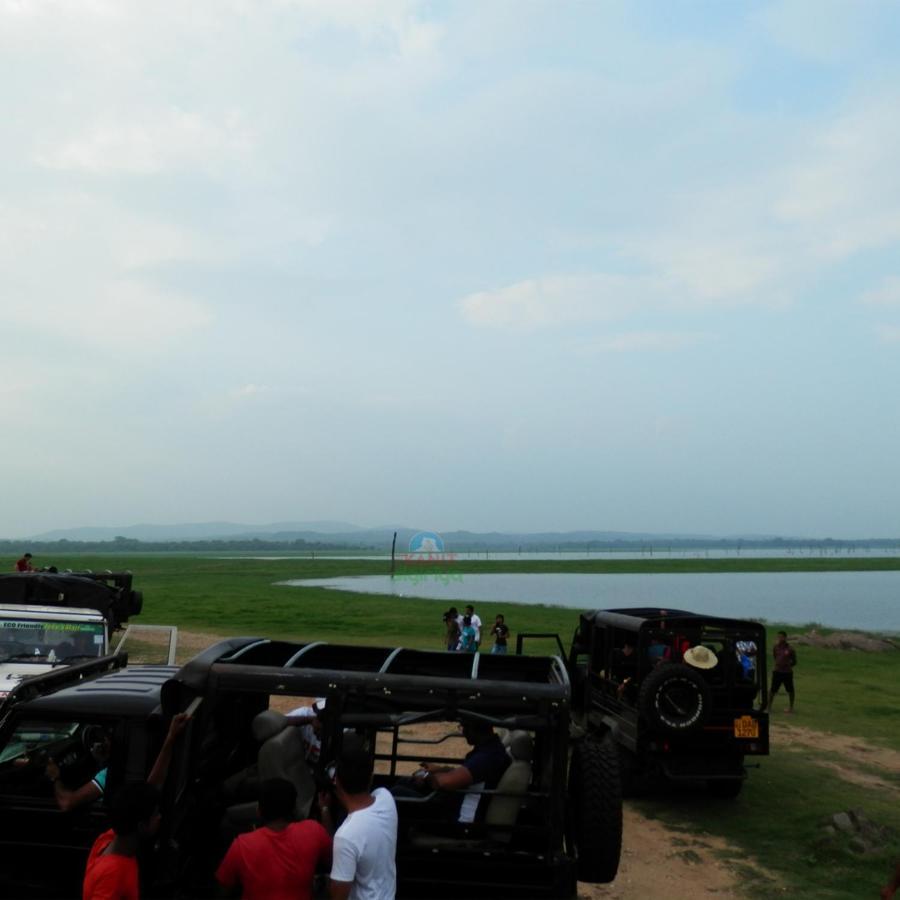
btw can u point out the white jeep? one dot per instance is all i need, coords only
(36, 639)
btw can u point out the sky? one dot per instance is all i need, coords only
(485, 265)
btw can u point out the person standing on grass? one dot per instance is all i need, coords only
(476, 624)
(365, 846)
(451, 624)
(783, 671)
(467, 642)
(501, 634)
(277, 861)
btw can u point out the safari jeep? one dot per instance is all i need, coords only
(109, 593)
(37, 639)
(556, 819)
(48, 620)
(677, 691)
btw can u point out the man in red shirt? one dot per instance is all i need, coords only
(112, 869)
(783, 671)
(24, 564)
(279, 860)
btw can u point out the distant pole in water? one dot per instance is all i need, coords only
(393, 548)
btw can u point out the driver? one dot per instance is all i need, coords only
(481, 770)
(100, 747)
(101, 750)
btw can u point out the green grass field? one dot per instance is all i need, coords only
(776, 821)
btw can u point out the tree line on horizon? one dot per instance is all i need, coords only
(122, 544)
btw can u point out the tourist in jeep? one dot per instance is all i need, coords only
(623, 668)
(24, 563)
(482, 769)
(307, 719)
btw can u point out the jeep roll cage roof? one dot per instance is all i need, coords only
(110, 593)
(381, 680)
(652, 617)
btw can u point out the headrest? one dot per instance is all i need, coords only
(267, 724)
(521, 746)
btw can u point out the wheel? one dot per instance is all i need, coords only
(675, 698)
(724, 789)
(595, 806)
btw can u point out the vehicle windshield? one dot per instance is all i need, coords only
(43, 641)
(35, 735)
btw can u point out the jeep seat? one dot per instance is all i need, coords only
(504, 806)
(280, 756)
(507, 802)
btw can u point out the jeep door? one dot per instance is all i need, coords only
(49, 846)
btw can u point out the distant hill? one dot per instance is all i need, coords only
(193, 531)
(347, 536)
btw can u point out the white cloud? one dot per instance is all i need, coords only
(887, 293)
(561, 299)
(148, 143)
(647, 341)
(248, 390)
(126, 317)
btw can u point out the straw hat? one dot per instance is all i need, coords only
(700, 658)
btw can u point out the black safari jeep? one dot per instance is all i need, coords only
(553, 819)
(676, 691)
(110, 593)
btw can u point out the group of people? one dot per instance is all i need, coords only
(278, 860)
(624, 664)
(463, 632)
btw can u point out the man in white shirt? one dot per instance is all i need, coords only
(365, 846)
(476, 624)
(307, 719)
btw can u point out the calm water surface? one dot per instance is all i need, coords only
(865, 600)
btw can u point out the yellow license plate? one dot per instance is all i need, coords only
(746, 727)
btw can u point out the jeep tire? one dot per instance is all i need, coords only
(675, 699)
(595, 808)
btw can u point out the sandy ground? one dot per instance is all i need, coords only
(658, 861)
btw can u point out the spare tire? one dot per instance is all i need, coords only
(595, 809)
(675, 699)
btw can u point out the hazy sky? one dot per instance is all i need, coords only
(487, 265)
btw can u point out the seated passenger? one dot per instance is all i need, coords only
(746, 655)
(657, 652)
(307, 718)
(482, 768)
(623, 669)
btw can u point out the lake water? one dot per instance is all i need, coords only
(648, 553)
(866, 600)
